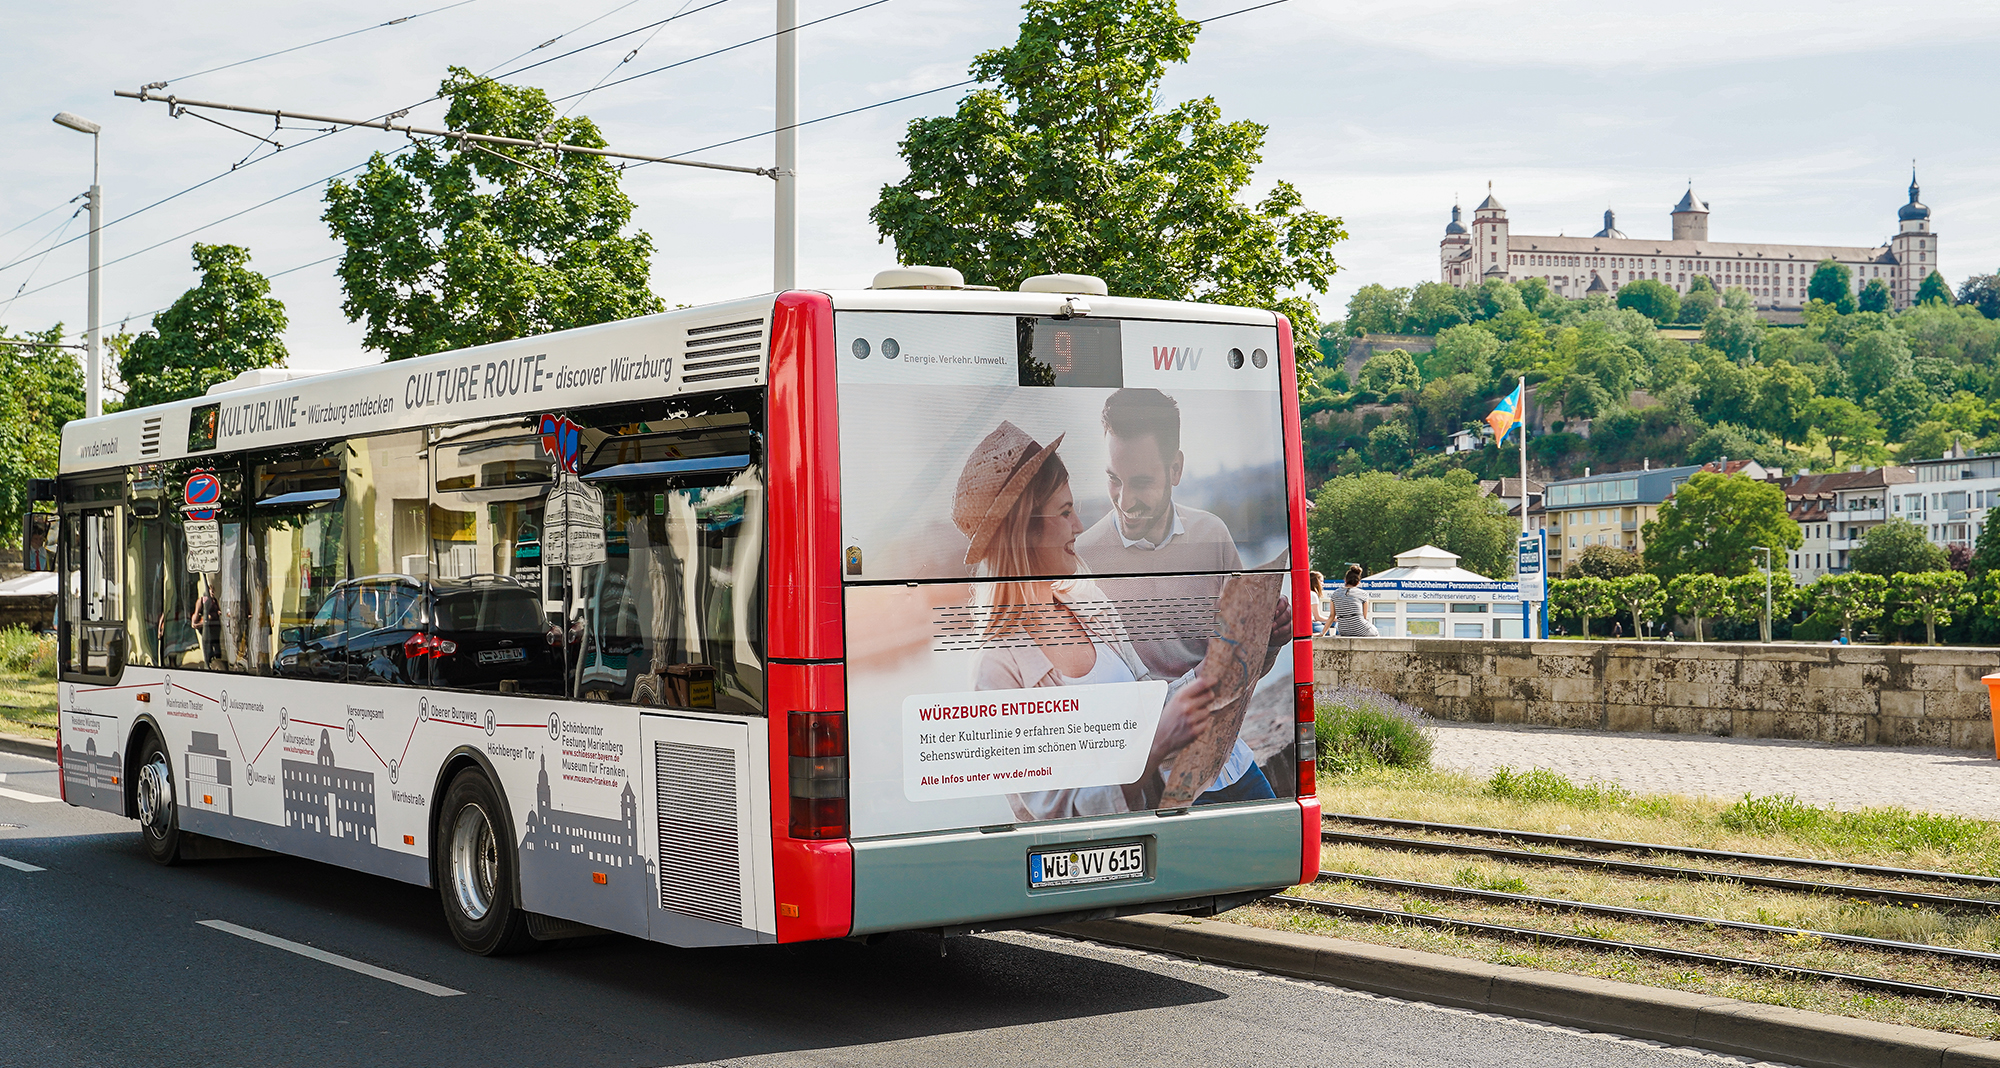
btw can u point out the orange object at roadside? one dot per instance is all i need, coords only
(1993, 701)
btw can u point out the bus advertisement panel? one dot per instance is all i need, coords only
(1065, 550)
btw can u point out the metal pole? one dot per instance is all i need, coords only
(93, 388)
(785, 213)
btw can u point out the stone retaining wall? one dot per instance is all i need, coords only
(1851, 694)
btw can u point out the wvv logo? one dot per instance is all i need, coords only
(1175, 359)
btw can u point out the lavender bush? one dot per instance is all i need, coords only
(1361, 728)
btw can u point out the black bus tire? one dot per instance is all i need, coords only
(476, 869)
(154, 791)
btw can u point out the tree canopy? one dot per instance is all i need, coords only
(451, 245)
(44, 391)
(1833, 283)
(1713, 522)
(1934, 290)
(1369, 518)
(1895, 546)
(1071, 163)
(1655, 300)
(227, 324)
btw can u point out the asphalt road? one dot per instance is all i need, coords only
(105, 960)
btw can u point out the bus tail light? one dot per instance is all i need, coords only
(1308, 747)
(817, 745)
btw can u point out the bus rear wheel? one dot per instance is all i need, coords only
(159, 817)
(476, 870)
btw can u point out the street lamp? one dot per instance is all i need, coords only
(93, 385)
(1765, 623)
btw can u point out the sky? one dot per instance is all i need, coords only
(1797, 121)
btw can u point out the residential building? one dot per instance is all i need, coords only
(1836, 510)
(1775, 275)
(1951, 496)
(1508, 491)
(1613, 508)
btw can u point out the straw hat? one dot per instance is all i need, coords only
(994, 478)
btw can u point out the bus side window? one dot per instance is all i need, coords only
(386, 569)
(496, 609)
(292, 556)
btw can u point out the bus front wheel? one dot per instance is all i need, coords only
(159, 817)
(476, 870)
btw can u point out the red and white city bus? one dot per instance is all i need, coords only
(810, 615)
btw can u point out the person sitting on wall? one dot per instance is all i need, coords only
(1350, 609)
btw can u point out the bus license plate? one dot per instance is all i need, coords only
(499, 656)
(1097, 864)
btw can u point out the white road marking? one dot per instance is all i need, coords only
(23, 795)
(336, 960)
(19, 865)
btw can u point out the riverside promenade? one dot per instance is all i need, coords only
(1962, 781)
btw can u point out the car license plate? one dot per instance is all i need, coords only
(1095, 864)
(498, 656)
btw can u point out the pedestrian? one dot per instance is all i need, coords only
(1350, 609)
(207, 623)
(1617, 628)
(1316, 585)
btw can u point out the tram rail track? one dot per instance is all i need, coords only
(1333, 832)
(1688, 956)
(1944, 902)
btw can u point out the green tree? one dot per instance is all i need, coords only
(1463, 350)
(1605, 562)
(1873, 359)
(1932, 597)
(1435, 307)
(1927, 440)
(1584, 598)
(1845, 600)
(1377, 309)
(1986, 551)
(1896, 546)
(1713, 522)
(1497, 297)
(450, 245)
(1733, 331)
(1747, 597)
(1833, 283)
(1370, 517)
(1934, 289)
(1784, 402)
(1535, 293)
(1846, 427)
(1904, 404)
(1655, 300)
(1982, 291)
(1389, 372)
(1640, 596)
(1699, 596)
(1874, 296)
(228, 323)
(1070, 163)
(1701, 300)
(45, 390)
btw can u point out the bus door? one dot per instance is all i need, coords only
(92, 637)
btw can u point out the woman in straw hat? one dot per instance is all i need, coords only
(1049, 627)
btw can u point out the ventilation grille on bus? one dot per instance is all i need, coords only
(701, 870)
(149, 437)
(723, 351)
(1139, 619)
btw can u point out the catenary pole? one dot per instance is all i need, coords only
(785, 211)
(93, 389)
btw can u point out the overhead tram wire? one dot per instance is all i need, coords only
(217, 222)
(925, 92)
(268, 277)
(330, 133)
(719, 51)
(312, 44)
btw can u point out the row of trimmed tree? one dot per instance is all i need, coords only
(1933, 598)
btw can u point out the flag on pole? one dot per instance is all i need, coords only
(1507, 415)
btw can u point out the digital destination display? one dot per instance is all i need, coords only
(1071, 352)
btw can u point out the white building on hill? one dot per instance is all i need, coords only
(1774, 275)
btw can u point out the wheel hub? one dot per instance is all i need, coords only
(475, 862)
(156, 796)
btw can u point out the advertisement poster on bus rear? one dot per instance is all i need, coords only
(1065, 549)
